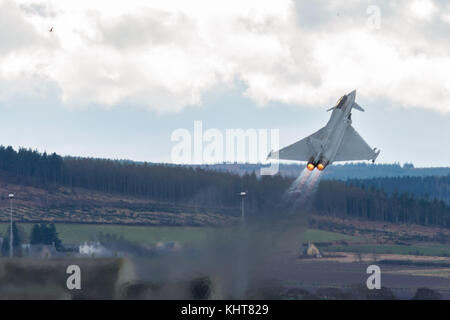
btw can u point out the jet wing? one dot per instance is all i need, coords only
(354, 147)
(302, 150)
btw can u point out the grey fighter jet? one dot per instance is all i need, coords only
(337, 141)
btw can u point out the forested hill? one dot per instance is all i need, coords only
(369, 170)
(346, 200)
(175, 189)
(168, 183)
(340, 171)
(423, 187)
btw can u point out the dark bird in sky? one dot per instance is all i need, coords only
(51, 29)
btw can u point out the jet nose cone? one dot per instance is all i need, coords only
(353, 93)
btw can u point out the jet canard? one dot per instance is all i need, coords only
(337, 141)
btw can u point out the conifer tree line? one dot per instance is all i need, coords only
(424, 187)
(204, 188)
(45, 234)
(340, 199)
(6, 240)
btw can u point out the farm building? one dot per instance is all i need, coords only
(311, 251)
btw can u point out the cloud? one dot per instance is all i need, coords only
(167, 55)
(423, 9)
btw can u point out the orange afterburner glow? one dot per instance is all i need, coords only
(320, 166)
(310, 166)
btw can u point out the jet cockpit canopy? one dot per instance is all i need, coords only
(341, 102)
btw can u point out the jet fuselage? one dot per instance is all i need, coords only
(336, 141)
(335, 129)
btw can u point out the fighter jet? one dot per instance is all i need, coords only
(337, 141)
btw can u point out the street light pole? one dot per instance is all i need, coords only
(11, 252)
(241, 262)
(243, 194)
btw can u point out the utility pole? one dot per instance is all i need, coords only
(11, 253)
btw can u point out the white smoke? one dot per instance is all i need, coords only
(304, 187)
(297, 185)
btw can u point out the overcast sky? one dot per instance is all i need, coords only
(115, 80)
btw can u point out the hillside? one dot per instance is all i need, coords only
(338, 171)
(84, 190)
(78, 205)
(422, 187)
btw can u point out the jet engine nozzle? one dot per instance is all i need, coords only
(321, 165)
(310, 166)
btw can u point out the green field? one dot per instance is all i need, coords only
(77, 233)
(422, 249)
(315, 235)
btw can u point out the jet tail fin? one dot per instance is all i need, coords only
(357, 107)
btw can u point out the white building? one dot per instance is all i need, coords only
(94, 249)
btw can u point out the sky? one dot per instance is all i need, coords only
(116, 79)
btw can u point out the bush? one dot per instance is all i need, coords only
(200, 288)
(299, 294)
(333, 294)
(361, 292)
(426, 294)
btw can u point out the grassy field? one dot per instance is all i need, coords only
(76, 233)
(316, 235)
(440, 272)
(425, 249)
